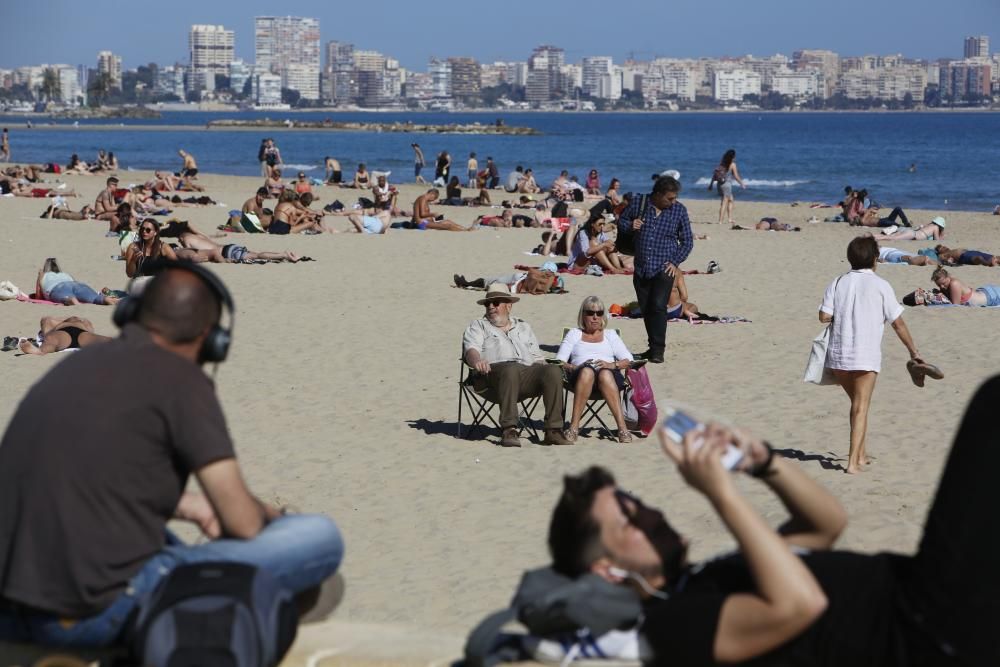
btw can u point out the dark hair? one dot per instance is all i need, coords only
(614, 181)
(472, 154)
(306, 198)
(848, 189)
(454, 181)
(910, 299)
(361, 166)
(518, 168)
(574, 535)
(263, 192)
(727, 158)
(939, 272)
(862, 252)
(666, 184)
(179, 306)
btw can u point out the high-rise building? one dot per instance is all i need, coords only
(110, 64)
(339, 83)
(733, 85)
(211, 49)
(289, 46)
(266, 88)
(466, 78)
(550, 59)
(826, 62)
(170, 80)
(239, 73)
(977, 47)
(440, 73)
(596, 76)
(966, 78)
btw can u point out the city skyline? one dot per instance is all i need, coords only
(916, 29)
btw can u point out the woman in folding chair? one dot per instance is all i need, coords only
(592, 354)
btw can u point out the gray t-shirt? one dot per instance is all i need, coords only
(92, 466)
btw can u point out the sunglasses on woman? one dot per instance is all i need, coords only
(594, 313)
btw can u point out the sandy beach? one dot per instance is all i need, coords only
(341, 392)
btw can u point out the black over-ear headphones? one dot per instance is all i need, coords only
(216, 345)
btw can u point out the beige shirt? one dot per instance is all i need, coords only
(495, 345)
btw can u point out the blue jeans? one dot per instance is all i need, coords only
(300, 551)
(84, 293)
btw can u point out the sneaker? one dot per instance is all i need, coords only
(713, 267)
(510, 438)
(891, 229)
(651, 356)
(10, 343)
(554, 436)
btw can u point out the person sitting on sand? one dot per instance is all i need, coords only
(101, 164)
(933, 230)
(147, 248)
(384, 196)
(105, 206)
(275, 186)
(424, 218)
(112, 162)
(59, 210)
(770, 225)
(302, 184)
(888, 255)
(128, 221)
(591, 245)
(287, 219)
(189, 169)
(209, 251)
(362, 179)
(964, 256)
(613, 194)
(961, 294)
(509, 367)
(594, 355)
(255, 206)
(678, 306)
(453, 193)
(527, 184)
(332, 175)
(302, 203)
(55, 285)
(165, 182)
(514, 179)
(370, 224)
(58, 334)
(593, 183)
(76, 165)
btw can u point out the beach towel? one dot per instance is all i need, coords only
(711, 319)
(31, 298)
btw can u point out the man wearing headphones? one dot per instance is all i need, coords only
(95, 462)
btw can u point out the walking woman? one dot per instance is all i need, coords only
(859, 304)
(724, 174)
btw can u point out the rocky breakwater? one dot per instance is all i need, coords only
(108, 112)
(498, 127)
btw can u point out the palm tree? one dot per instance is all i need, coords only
(99, 89)
(50, 88)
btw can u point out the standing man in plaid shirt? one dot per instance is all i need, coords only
(663, 240)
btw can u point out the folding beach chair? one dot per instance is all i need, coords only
(482, 408)
(595, 403)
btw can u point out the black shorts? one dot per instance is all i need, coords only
(619, 378)
(279, 227)
(189, 172)
(335, 177)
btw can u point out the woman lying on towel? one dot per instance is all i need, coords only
(57, 334)
(59, 210)
(55, 285)
(961, 294)
(199, 247)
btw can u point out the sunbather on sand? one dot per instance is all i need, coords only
(888, 255)
(165, 181)
(58, 334)
(208, 250)
(377, 223)
(963, 295)
(770, 225)
(678, 305)
(287, 219)
(931, 231)
(424, 218)
(959, 256)
(59, 210)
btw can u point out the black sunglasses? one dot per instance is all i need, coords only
(627, 503)
(594, 313)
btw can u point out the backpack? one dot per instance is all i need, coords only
(625, 240)
(216, 614)
(640, 401)
(720, 173)
(551, 605)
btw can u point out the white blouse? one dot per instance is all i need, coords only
(861, 304)
(577, 351)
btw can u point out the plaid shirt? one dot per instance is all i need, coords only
(662, 238)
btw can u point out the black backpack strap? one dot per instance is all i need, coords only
(483, 648)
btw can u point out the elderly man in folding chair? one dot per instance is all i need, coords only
(509, 367)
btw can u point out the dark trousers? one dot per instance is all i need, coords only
(955, 578)
(652, 294)
(493, 182)
(891, 220)
(509, 382)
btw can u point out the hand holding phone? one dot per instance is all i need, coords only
(678, 423)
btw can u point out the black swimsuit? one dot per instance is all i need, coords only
(74, 336)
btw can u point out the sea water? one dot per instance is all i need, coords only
(807, 157)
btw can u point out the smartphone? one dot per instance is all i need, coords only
(678, 423)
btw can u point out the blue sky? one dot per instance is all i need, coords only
(73, 31)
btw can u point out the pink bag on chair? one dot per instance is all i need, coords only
(641, 395)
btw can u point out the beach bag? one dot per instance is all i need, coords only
(538, 281)
(551, 605)
(251, 223)
(625, 239)
(8, 291)
(642, 399)
(816, 370)
(207, 614)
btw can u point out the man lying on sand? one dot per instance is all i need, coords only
(960, 256)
